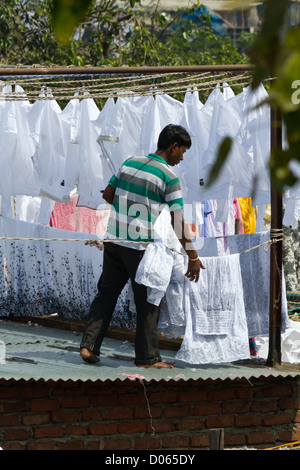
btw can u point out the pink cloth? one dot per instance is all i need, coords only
(68, 216)
(238, 216)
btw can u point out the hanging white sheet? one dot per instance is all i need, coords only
(45, 277)
(18, 175)
(213, 335)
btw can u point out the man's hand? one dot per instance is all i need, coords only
(193, 270)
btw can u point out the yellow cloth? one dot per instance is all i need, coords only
(248, 214)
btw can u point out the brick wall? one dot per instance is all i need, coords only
(116, 416)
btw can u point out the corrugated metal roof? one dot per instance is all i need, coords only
(43, 353)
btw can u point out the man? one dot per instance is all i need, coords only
(142, 185)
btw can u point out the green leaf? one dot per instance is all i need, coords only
(66, 16)
(265, 49)
(222, 155)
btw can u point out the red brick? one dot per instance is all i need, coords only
(74, 402)
(216, 395)
(190, 397)
(191, 423)
(245, 393)
(235, 407)
(65, 416)
(92, 444)
(277, 391)
(103, 428)
(278, 418)
(234, 439)
(105, 400)
(35, 392)
(9, 420)
(206, 409)
(71, 445)
(117, 444)
(289, 403)
(145, 443)
(219, 421)
(143, 412)
(35, 419)
(8, 392)
(199, 441)
(38, 445)
(16, 435)
(132, 399)
(118, 413)
(15, 407)
(13, 446)
(260, 437)
(264, 406)
(75, 430)
(91, 415)
(163, 397)
(248, 420)
(176, 411)
(44, 405)
(132, 427)
(175, 442)
(162, 426)
(44, 432)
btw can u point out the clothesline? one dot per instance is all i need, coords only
(202, 82)
(98, 243)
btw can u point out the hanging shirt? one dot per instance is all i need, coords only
(49, 157)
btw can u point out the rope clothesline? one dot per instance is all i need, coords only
(100, 246)
(102, 88)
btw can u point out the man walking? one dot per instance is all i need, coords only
(142, 185)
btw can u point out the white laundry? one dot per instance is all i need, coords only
(18, 175)
(210, 342)
(44, 277)
(161, 111)
(290, 344)
(255, 274)
(48, 276)
(197, 118)
(123, 121)
(33, 209)
(226, 120)
(50, 156)
(84, 167)
(254, 136)
(154, 271)
(213, 297)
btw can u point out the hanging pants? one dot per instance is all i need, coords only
(119, 265)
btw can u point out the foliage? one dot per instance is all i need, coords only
(88, 32)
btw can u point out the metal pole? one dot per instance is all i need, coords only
(275, 314)
(122, 70)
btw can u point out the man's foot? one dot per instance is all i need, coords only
(89, 356)
(159, 365)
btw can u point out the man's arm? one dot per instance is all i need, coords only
(194, 264)
(108, 194)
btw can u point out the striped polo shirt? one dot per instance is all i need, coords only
(143, 186)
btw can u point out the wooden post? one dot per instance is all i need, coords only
(216, 439)
(275, 314)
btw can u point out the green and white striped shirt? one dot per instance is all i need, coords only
(143, 186)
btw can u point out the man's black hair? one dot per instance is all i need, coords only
(173, 133)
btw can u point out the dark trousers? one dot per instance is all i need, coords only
(119, 265)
